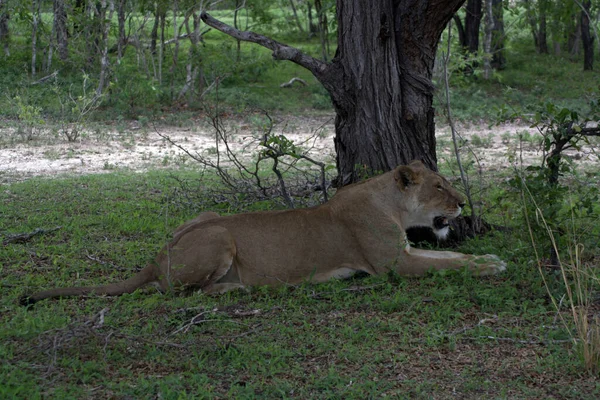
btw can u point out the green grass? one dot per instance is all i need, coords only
(444, 335)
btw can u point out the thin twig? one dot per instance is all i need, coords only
(25, 237)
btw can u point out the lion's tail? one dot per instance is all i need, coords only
(148, 274)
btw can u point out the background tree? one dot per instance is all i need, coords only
(60, 27)
(498, 58)
(468, 32)
(586, 36)
(537, 17)
(379, 80)
(4, 29)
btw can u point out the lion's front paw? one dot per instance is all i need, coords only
(489, 264)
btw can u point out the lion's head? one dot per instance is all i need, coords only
(431, 200)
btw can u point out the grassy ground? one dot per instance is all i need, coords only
(447, 335)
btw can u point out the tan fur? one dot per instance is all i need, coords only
(362, 228)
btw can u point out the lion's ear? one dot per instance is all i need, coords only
(416, 164)
(406, 175)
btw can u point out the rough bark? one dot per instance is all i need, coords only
(586, 37)
(379, 80)
(60, 28)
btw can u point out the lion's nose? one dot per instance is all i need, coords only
(461, 204)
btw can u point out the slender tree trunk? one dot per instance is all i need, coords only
(298, 24)
(106, 21)
(542, 33)
(323, 30)
(92, 31)
(312, 28)
(47, 63)
(487, 41)
(586, 37)
(468, 33)
(154, 33)
(192, 71)
(35, 15)
(574, 37)
(238, 54)
(161, 49)
(122, 42)
(173, 68)
(60, 27)
(4, 30)
(498, 59)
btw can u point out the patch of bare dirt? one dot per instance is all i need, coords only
(139, 148)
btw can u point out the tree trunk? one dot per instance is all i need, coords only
(542, 33)
(574, 38)
(161, 49)
(173, 69)
(106, 21)
(323, 30)
(379, 81)
(487, 41)
(4, 30)
(298, 24)
(35, 15)
(468, 33)
(472, 23)
(154, 33)
(60, 27)
(122, 42)
(92, 31)
(537, 23)
(47, 62)
(238, 54)
(498, 59)
(586, 38)
(192, 71)
(386, 121)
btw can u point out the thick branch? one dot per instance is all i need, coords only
(280, 51)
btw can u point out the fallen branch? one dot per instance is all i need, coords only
(291, 82)
(25, 237)
(46, 78)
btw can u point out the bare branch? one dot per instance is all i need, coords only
(291, 82)
(280, 51)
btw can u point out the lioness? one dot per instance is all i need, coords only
(362, 228)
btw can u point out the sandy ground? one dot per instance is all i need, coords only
(139, 148)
